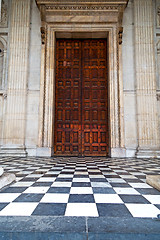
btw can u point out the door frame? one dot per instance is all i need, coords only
(47, 84)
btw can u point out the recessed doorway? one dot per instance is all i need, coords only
(81, 114)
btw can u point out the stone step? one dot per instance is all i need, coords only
(154, 181)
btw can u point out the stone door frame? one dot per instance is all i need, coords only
(47, 85)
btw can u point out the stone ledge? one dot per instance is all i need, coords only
(154, 181)
(6, 179)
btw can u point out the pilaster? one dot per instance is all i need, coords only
(15, 119)
(147, 115)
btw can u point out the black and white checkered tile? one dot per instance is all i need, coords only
(80, 187)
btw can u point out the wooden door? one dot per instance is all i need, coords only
(81, 119)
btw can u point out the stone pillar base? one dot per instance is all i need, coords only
(20, 152)
(44, 152)
(6, 179)
(118, 152)
(154, 181)
(148, 153)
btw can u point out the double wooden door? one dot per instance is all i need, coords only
(81, 115)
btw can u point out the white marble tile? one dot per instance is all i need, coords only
(80, 173)
(52, 172)
(96, 176)
(130, 191)
(116, 180)
(107, 198)
(55, 198)
(36, 190)
(128, 176)
(46, 179)
(110, 173)
(154, 199)
(18, 209)
(18, 178)
(22, 184)
(137, 173)
(81, 190)
(100, 184)
(143, 210)
(34, 175)
(140, 185)
(8, 197)
(65, 175)
(81, 209)
(61, 184)
(81, 180)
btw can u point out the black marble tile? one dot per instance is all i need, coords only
(28, 179)
(157, 205)
(98, 180)
(58, 190)
(133, 180)
(42, 184)
(133, 199)
(3, 205)
(29, 197)
(81, 184)
(111, 176)
(50, 209)
(113, 210)
(81, 198)
(14, 190)
(123, 185)
(80, 176)
(59, 179)
(103, 190)
(147, 191)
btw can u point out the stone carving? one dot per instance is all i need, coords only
(158, 17)
(158, 96)
(120, 34)
(158, 47)
(43, 33)
(63, 7)
(4, 15)
(73, 7)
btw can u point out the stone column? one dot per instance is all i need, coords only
(147, 112)
(15, 119)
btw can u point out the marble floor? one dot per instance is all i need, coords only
(90, 187)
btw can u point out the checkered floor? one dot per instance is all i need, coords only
(80, 187)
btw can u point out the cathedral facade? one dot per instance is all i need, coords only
(80, 78)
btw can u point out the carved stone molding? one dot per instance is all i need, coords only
(82, 7)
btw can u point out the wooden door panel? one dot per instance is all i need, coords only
(81, 124)
(94, 98)
(68, 97)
